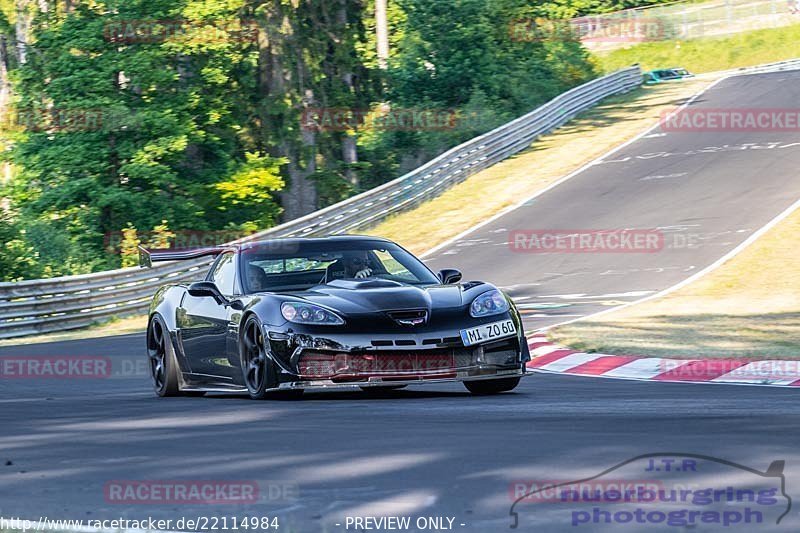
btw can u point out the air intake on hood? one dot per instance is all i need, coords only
(415, 317)
(354, 284)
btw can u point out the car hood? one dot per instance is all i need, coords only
(369, 296)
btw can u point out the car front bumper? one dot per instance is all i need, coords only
(377, 382)
(324, 358)
(316, 365)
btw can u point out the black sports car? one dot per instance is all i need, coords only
(294, 314)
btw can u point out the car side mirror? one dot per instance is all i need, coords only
(449, 276)
(207, 289)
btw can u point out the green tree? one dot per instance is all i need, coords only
(468, 64)
(128, 128)
(129, 246)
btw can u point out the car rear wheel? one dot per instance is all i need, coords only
(492, 386)
(259, 372)
(163, 369)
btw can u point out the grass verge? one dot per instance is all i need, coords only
(749, 307)
(710, 54)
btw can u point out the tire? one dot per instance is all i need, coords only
(258, 371)
(163, 369)
(491, 386)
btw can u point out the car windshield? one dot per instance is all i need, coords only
(297, 265)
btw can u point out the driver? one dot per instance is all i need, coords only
(353, 264)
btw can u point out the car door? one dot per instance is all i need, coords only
(207, 332)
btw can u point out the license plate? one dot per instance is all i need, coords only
(488, 332)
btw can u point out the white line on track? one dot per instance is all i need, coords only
(572, 174)
(664, 176)
(710, 268)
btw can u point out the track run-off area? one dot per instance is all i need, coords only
(437, 451)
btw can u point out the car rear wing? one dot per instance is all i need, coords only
(148, 257)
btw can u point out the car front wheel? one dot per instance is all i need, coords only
(259, 372)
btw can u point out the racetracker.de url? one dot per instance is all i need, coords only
(199, 523)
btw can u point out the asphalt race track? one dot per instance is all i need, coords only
(706, 193)
(439, 452)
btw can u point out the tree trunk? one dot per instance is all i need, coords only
(301, 196)
(5, 86)
(270, 51)
(349, 142)
(283, 77)
(194, 155)
(23, 26)
(382, 33)
(350, 157)
(5, 113)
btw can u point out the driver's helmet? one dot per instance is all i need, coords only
(256, 278)
(354, 262)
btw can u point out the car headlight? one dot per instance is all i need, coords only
(301, 313)
(489, 303)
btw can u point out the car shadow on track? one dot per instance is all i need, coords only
(328, 396)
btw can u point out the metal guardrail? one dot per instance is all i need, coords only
(57, 304)
(681, 21)
(791, 64)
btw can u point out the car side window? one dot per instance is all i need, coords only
(224, 274)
